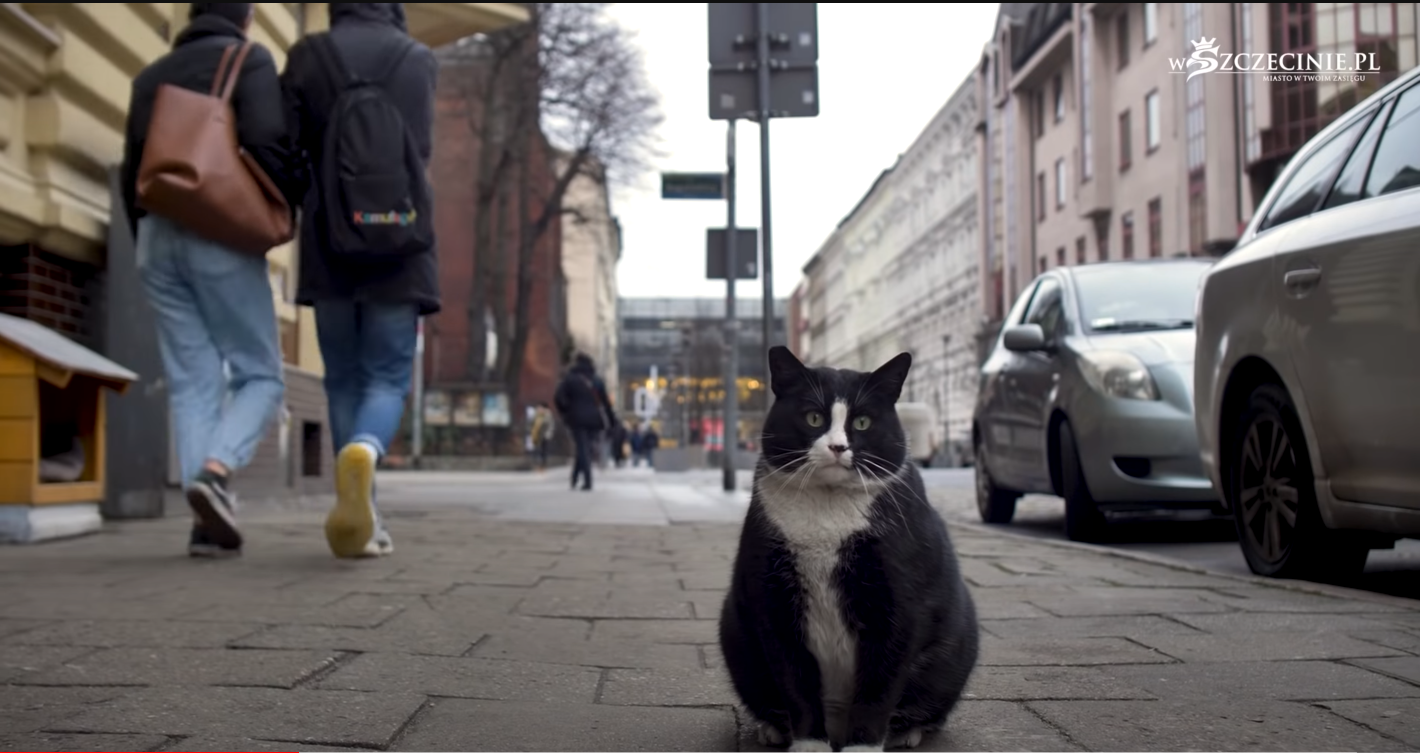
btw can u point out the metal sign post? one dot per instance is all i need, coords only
(730, 434)
(764, 65)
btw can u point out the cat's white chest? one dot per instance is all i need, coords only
(815, 527)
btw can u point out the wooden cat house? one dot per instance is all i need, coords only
(52, 393)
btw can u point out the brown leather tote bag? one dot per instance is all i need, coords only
(195, 173)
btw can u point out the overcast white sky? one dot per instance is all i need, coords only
(884, 71)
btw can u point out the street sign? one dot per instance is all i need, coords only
(793, 26)
(746, 250)
(692, 185)
(793, 93)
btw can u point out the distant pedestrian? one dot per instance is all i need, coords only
(638, 434)
(361, 98)
(543, 427)
(617, 437)
(649, 443)
(582, 400)
(213, 305)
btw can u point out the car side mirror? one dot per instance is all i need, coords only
(1024, 338)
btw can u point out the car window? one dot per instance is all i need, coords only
(1305, 188)
(1350, 184)
(1048, 308)
(1023, 301)
(1138, 297)
(1397, 163)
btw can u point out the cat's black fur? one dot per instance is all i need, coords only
(902, 593)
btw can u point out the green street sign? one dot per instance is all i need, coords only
(692, 185)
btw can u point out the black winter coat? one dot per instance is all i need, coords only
(367, 35)
(582, 400)
(256, 104)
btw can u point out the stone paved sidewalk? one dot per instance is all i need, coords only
(484, 634)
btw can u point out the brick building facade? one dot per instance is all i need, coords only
(475, 282)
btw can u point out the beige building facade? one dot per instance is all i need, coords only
(1099, 147)
(591, 250)
(901, 272)
(65, 73)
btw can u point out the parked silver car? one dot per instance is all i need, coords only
(1308, 351)
(1088, 395)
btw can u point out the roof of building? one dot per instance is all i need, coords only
(59, 352)
(1041, 21)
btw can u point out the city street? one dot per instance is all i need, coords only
(519, 615)
(1194, 539)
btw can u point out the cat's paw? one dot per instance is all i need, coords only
(863, 749)
(768, 735)
(810, 746)
(909, 739)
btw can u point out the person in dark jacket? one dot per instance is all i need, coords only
(212, 304)
(582, 400)
(367, 313)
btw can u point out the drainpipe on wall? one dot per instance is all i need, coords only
(1240, 133)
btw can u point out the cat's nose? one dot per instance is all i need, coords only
(838, 449)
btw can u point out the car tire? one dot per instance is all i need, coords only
(994, 504)
(1274, 546)
(1083, 519)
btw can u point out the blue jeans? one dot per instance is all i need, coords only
(217, 334)
(368, 349)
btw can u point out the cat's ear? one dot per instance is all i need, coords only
(785, 371)
(891, 376)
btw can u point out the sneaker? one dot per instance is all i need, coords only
(381, 544)
(199, 545)
(215, 508)
(350, 527)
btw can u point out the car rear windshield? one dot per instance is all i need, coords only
(1136, 297)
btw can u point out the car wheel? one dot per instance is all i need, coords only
(994, 504)
(1083, 519)
(1273, 495)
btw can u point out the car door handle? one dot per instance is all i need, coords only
(1299, 283)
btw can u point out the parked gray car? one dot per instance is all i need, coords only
(1088, 395)
(1308, 350)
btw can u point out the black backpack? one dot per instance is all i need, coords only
(375, 199)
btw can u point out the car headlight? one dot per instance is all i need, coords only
(1118, 374)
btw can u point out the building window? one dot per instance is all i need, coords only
(1156, 228)
(1126, 141)
(1042, 264)
(1194, 121)
(1126, 235)
(1080, 250)
(1153, 128)
(1121, 37)
(1253, 138)
(1087, 137)
(1060, 256)
(1151, 23)
(1102, 241)
(1060, 185)
(1040, 196)
(1302, 107)
(1058, 87)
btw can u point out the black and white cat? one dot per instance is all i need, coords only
(847, 625)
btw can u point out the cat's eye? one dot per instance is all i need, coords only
(814, 418)
(862, 423)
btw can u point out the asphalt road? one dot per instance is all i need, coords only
(1201, 541)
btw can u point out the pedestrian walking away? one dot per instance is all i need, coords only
(543, 427)
(617, 437)
(215, 315)
(582, 400)
(649, 443)
(360, 100)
